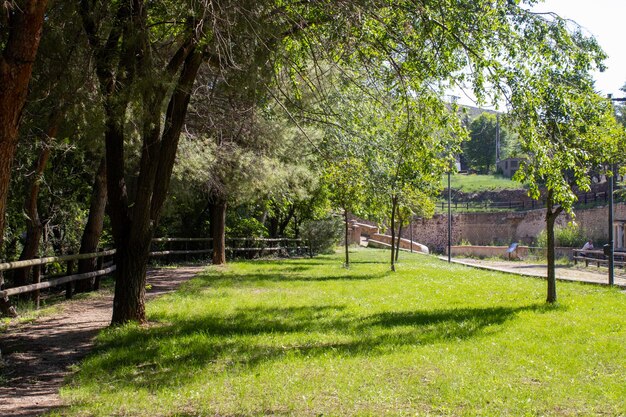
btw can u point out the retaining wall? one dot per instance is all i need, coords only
(503, 228)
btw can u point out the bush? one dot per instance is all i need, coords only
(568, 236)
(322, 235)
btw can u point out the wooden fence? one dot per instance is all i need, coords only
(176, 248)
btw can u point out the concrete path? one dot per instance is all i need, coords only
(564, 273)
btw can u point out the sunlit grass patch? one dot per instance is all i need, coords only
(474, 183)
(309, 337)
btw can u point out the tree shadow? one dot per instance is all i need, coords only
(176, 348)
(284, 275)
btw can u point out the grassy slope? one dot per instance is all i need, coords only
(474, 183)
(308, 337)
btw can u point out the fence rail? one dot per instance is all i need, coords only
(290, 247)
(584, 199)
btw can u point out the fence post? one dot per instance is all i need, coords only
(99, 265)
(36, 280)
(69, 287)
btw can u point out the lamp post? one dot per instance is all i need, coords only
(611, 237)
(449, 217)
(453, 100)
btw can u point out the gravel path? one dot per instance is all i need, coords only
(36, 357)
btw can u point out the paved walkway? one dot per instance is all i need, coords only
(565, 273)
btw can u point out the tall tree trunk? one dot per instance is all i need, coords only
(398, 238)
(551, 215)
(218, 226)
(125, 55)
(93, 229)
(346, 240)
(394, 204)
(34, 225)
(285, 222)
(25, 21)
(130, 283)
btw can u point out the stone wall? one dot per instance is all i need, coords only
(504, 228)
(502, 252)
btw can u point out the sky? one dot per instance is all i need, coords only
(605, 20)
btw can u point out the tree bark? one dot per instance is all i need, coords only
(346, 241)
(93, 229)
(398, 238)
(285, 222)
(551, 215)
(130, 281)
(16, 65)
(218, 226)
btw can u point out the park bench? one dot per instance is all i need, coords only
(597, 256)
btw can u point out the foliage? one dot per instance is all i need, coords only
(571, 236)
(308, 337)
(322, 235)
(480, 150)
(247, 227)
(473, 183)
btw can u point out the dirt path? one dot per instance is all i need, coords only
(37, 356)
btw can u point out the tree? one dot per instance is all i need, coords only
(23, 22)
(480, 149)
(20, 34)
(566, 131)
(134, 79)
(409, 150)
(345, 179)
(147, 55)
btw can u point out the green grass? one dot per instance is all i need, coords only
(475, 183)
(310, 338)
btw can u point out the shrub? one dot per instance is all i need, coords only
(322, 235)
(247, 227)
(568, 236)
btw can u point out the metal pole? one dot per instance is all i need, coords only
(611, 239)
(449, 218)
(611, 242)
(411, 226)
(497, 139)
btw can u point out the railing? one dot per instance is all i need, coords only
(584, 199)
(66, 279)
(161, 247)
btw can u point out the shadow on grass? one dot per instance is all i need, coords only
(285, 275)
(175, 350)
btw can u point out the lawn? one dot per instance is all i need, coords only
(307, 337)
(475, 183)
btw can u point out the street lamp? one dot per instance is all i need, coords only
(449, 216)
(453, 100)
(611, 237)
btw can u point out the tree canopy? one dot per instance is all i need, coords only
(245, 81)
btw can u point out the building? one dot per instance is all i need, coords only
(509, 166)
